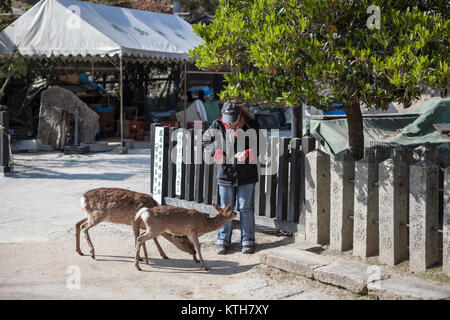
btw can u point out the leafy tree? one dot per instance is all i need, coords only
(200, 7)
(14, 66)
(326, 51)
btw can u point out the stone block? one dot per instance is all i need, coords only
(342, 175)
(403, 288)
(365, 221)
(393, 195)
(317, 197)
(423, 216)
(294, 260)
(353, 276)
(446, 222)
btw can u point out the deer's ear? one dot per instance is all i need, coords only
(217, 208)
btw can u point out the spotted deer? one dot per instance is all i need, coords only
(180, 222)
(121, 206)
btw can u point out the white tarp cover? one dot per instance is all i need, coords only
(74, 28)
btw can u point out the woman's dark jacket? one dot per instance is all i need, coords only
(235, 174)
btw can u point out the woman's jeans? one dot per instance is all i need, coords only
(245, 196)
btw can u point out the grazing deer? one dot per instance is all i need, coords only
(181, 222)
(121, 206)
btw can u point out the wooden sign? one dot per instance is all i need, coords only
(158, 164)
(179, 163)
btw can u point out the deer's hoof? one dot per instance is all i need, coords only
(206, 268)
(80, 253)
(137, 266)
(140, 259)
(93, 257)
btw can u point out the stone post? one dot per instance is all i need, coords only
(342, 175)
(365, 222)
(393, 195)
(446, 229)
(423, 216)
(317, 197)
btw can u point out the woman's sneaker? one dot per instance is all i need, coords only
(248, 249)
(221, 249)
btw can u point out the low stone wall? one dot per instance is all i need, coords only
(392, 204)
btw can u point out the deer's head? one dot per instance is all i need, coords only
(226, 212)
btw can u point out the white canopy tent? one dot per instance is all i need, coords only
(91, 32)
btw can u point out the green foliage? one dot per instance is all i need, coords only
(322, 51)
(14, 66)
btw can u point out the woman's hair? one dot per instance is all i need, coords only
(247, 114)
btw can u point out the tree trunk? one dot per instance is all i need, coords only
(355, 130)
(296, 122)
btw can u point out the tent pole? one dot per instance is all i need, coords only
(121, 102)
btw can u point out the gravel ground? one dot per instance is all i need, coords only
(40, 205)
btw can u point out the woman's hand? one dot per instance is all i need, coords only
(241, 156)
(219, 156)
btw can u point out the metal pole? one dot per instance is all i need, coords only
(121, 102)
(185, 94)
(76, 127)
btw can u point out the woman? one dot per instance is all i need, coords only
(237, 172)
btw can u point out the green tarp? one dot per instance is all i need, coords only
(413, 128)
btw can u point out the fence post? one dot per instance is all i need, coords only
(393, 194)
(282, 188)
(208, 181)
(260, 193)
(317, 197)
(342, 169)
(160, 163)
(180, 167)
(295, 180)
(308, 145)
(446, 228)
(152, 153)
(199, 177)
(271, 180)
(365, 222)
(423, 216)
(4, 144)
(171, 166)
(190, 167)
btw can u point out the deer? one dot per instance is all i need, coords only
(180, 222)
(121, 206)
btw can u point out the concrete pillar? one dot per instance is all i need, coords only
(342, 175)
(446, 229)
(365, 222)
(423, 216)
(393, 205)
(317, 197)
